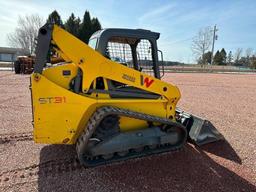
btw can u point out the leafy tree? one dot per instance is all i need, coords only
(55, 18)
(72, 25)
(223, 56)
(229, 58)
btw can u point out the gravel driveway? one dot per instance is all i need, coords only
(228, 101)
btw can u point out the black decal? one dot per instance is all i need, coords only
(66, 72)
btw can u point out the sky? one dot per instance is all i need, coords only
(177, 21)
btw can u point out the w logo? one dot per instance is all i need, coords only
(146, 81)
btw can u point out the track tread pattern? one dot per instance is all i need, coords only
(102, 112)
(50, 169)
(7, 138)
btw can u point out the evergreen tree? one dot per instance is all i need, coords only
(82, 30)
(95, 25)
(223, 56)
(220, 57)
(72, 25)
(88, 27)
(207, 57)
(217, 58)
(55, 18)
(85, 29)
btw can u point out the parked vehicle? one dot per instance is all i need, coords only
(24, 64)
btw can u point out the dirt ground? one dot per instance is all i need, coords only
(227, 100)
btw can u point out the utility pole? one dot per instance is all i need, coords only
(215, 37)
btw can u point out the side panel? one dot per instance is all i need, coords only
(58, 113)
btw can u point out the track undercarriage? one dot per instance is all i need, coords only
(103, 143)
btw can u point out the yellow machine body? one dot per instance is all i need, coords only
(60, 115)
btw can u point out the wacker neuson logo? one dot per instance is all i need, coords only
(146, 81)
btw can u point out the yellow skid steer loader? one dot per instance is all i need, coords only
(108, 98)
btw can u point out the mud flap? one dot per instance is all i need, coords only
(200, 131)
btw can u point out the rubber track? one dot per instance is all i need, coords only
(6, 138)
(47, 169)
(98, 116)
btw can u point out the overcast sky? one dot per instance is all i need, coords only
(177, 21)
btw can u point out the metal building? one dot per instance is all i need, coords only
(8, 54)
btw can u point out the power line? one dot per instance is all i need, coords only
(179, 41)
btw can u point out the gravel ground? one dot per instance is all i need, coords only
(228, 101)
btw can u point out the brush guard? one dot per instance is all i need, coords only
(200, 131)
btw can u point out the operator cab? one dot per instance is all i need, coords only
(134, 48)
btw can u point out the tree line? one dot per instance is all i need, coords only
(82, 29)
(238, 58)
(202, 43)
(27, 28)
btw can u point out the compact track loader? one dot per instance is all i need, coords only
(108, 98)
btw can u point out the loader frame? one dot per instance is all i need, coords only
(84, 65)
(65, 96)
